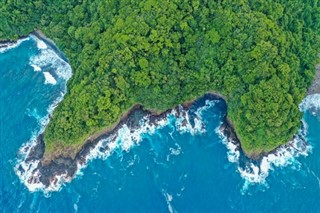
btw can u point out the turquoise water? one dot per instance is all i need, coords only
(171, 168)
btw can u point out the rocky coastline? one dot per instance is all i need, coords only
(68, 166)
(5, 44)
(50, 43)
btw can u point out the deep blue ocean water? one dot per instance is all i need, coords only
(171, 169)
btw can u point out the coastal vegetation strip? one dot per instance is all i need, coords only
(259, 54)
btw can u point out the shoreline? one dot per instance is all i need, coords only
(50, 177)
(67, 167)
(39, 34)
(113, 128)
(8, 44)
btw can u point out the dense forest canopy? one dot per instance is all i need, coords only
(260, 54)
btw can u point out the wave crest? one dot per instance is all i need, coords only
(311, 103)
(49, 60)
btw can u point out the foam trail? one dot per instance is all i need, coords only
(169, 199)
(208, 104)
(174, 151)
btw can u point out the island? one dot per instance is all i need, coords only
(153, 55)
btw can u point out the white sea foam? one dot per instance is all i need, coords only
(233, 152)
(49, 59)
(30, 174)
(36, 68)
(284, 156)
(49, 78)
(125, 138)
(13, 45)
(57, 182)
(257, 172)
(311, 102)
(41, 44)
(183, 122)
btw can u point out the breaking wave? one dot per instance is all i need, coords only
(311, 103)
(51, 62)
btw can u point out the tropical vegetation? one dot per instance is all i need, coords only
(259, 54)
